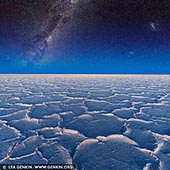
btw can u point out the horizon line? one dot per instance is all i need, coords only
(82, 74)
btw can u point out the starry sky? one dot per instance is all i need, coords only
(85, 36)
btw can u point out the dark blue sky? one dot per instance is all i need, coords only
(97, 36)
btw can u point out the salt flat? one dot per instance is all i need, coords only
(111, 122)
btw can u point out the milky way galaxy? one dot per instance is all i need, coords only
(59, 13)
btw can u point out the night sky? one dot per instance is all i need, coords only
(85, 36)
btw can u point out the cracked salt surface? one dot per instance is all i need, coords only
(96, 122)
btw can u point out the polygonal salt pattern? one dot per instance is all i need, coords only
(93, 121)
